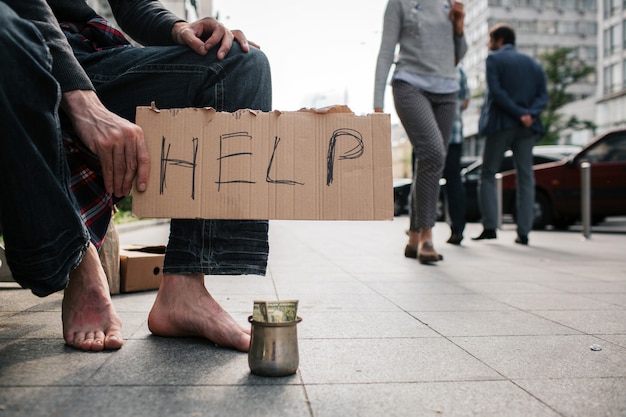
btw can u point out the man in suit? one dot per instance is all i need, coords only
(516, 94)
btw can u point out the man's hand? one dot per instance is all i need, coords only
(206, 33)
(116, 141)
(457, 16)
(527, 120)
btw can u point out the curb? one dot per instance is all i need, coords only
(131, 227)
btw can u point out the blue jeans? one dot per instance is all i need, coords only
(44, 235)
(176, 76)
(521, 141)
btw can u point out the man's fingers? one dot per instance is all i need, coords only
(143, 168)
(221, 36)
(120, 171)
(243, 41)
(106, 162)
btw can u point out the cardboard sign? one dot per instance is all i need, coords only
(325, 164)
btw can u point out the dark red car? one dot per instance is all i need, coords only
(558, 184)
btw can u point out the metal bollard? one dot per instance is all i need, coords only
(499, 198)
(585, 201)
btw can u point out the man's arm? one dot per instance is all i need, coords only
(65, 68)
(118, 143)
(150, 23)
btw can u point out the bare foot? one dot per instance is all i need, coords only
(89, 319)
(184, 307)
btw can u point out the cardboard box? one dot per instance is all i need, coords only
(141, 268)
(322, 164)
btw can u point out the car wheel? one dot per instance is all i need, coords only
(397, 206)
(543, 212)
(562, 223)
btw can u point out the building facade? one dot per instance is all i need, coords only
(611, 88)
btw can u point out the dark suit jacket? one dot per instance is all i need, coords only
(516, 85)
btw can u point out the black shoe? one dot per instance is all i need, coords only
(455, 239)
(486, 234)
(522, 240)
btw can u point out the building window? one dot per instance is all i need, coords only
(587, 53)
(567, 4)
(589, 5)
(588, 28)
(615, 39)
(615, 7)
(547, 27)
(568, 28)
(607, 42)
(612, 7)
(527, 26)
(607, 80)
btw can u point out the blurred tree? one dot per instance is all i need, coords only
(562, 69)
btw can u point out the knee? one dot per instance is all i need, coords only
(256, 60)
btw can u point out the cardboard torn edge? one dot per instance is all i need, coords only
(332, 109)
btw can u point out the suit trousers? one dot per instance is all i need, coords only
(521, 142)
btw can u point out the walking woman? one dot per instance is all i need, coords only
(431, 42)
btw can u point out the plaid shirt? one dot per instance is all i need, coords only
(97, 32)
(96, 205)
(464, 94)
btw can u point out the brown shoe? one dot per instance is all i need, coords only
(427, 253)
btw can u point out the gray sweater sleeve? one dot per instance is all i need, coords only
(392, 24)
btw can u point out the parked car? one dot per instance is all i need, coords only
(558, 184)
(470, 175)
(402, 189)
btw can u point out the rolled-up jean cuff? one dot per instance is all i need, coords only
(51, 274)
(217, 247)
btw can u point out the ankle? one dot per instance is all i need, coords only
(414, 238)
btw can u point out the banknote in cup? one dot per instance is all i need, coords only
(259, 312)
(279, 311)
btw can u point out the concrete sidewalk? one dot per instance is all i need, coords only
(496, 329)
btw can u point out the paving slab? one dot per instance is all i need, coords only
(496, 329)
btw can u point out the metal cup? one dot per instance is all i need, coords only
(273, 348)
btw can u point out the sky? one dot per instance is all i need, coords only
(322, 52)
